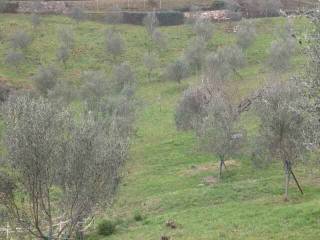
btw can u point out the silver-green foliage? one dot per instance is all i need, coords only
(65, 167)
(46, 79)
(20, 40)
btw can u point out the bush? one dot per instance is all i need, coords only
(63, 54)
(195, 54)
(165, 18)
(20, 39)
(106, 228)
(177, 70)
(203, 29)
(14, 58)
(46, 79)
(114, 44)
(35, 20)
(123, 76)
(137, 216)
(66, 37)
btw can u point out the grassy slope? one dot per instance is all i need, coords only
(160, 181)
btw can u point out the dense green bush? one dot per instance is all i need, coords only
(166, 18)
(218, 5)
(106, 228)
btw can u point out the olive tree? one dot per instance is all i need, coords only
(20, 40)
(66, 37)
(94, 90)
(151, 22)
(35, 20)
(246, 34)
(46, 79)
(177, 70)
(286, 126)
(195, 54)
(151, 62)
(65, 167)
(114, 44)
(123, 77)
(221, 64)
(217, 133)
(63, 54)
(14, 58)
(203, 29)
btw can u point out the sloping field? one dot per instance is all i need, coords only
(166, 177)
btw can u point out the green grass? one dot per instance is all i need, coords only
(164, 176)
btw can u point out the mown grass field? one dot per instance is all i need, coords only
(164, 177)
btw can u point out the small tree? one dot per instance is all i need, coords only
(35, 20)
(195, 54)
(151, 22)
(77, 14)
(203, 29)
(217, 133)
(46, 79)
(63, 54)
(123, 77)
(246, 34)
(151, 62)
(94, 91)
(177, 70)
(221, 64)
(114, 45)
(285, 126)
(66, 37)
(191, 108)
(159, 39)
(20, 39)
(14, 58)
(3, 5)
(64, 168)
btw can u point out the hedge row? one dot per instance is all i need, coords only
(9, 7)
(166, 18)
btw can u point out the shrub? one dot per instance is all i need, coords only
(46, 79)
(203, 29)
(66, 37)
(165, 18)
(159, 39)
(14, 58)
(106, 228)
(150, 22)
(35, 20)
(150, 61)
(137, 216)
(123, 76)
(191, 108)
(195, 54)
(63, 54)
(177, 70)
(20, 39)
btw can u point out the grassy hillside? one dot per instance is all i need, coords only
(166, 177)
